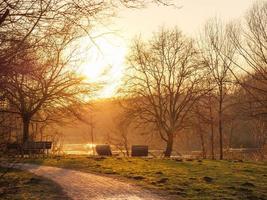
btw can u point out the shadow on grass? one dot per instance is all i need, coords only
(186, 179)
(20, 185)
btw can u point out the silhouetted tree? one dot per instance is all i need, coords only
(41, 86)
(162, 83)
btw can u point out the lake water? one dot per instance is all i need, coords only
(79, 149)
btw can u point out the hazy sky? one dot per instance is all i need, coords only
(189, 18)
(131, 22)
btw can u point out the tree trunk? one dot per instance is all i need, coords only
(203, 146)
(212, 141)
(126, 147)
(212, 136)
(169, 146)
(220, 123)
(26, 125)
(127, 150)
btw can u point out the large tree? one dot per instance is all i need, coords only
(162, 83)
(38, 85)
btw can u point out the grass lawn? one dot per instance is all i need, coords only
(188, 179)
(20, 185)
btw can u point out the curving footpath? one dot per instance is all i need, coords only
(87, 186)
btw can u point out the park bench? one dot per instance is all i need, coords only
(103, 150)
(139, 151)
(13, 148)
(39, 147)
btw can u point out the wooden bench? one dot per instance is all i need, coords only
(139, 151)
(39, 147)
(13, 148)
(103, 150)
(30, 148)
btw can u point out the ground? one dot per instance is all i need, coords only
(22, 185)
(87, 186)
(196, 179)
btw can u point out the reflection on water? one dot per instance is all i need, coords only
(80, 149)
(89, 149)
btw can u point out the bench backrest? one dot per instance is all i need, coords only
(38, 145)
(103, 150)
(139, 150)
(10, 146)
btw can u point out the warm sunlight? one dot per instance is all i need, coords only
(133, 99)
(102, 61)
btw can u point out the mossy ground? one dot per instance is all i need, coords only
(204, 179)
(21, 185)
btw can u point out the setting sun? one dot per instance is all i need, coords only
(102, 61)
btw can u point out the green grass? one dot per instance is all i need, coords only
(21, 185)
(188, 179)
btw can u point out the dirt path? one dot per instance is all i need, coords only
(83, 186)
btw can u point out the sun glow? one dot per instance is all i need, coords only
(90, 148)
(102, 61)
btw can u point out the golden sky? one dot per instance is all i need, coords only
(189, 18)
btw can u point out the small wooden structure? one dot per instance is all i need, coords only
(139, 151)
(103, 150)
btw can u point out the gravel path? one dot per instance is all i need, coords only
(86, 186)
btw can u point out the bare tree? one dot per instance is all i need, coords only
(250, 39)
(162, 83)
(218, 54)
(41, 87)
